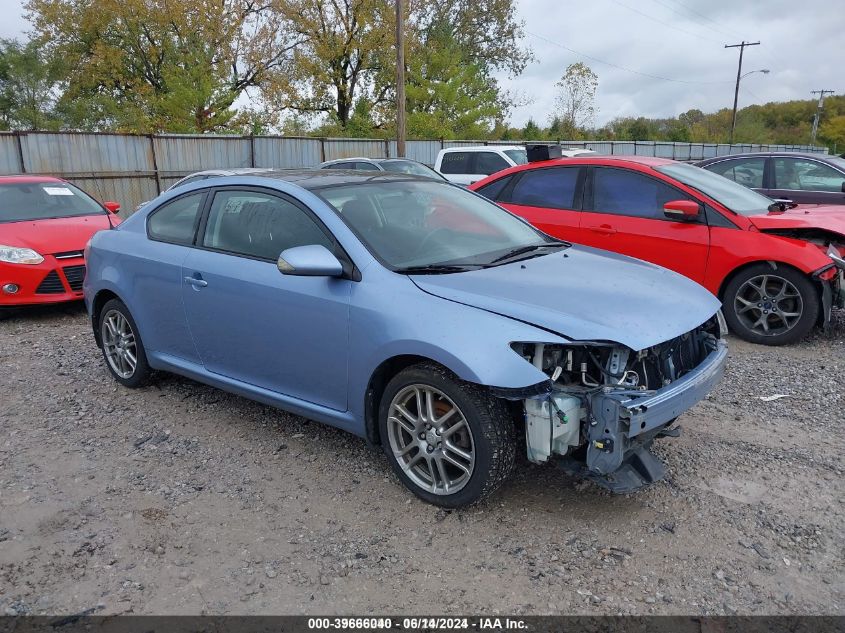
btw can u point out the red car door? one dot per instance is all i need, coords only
(623, 212)
(549, 198)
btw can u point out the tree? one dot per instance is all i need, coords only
(344, 44)
(575, 101)
(832, 132)
(453, 49)
(447, 94)
(531, 131)
(487, 31)
(29, 87)
(158, 65)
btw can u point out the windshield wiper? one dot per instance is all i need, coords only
(435, 269)
(523, 250)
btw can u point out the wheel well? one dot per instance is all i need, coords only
(383, 374)
(774, 264)
(100, 299)
(736, 271)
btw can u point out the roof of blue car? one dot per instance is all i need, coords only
(319, 178)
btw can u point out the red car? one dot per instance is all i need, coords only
(45, 224)
(778, 271)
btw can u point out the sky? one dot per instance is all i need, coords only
(676, 46)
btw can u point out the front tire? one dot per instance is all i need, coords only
(122, 347)
(771, 307)
(450, 442)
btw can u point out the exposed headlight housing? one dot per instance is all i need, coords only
(18, 255)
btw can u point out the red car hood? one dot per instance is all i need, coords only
(830, 218)
(54, 236)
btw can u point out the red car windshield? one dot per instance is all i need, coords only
(24, 201)
(735, 197)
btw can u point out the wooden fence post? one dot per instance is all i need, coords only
(20, 151)
(155, 163)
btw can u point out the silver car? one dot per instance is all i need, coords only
(393, 165)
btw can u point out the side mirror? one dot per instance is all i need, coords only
(681, 209)
(843, 186)
(782, 204)
(112, 206)
(313, 260)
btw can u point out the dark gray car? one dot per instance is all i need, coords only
(802, 178)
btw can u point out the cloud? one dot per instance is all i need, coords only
(680, 40)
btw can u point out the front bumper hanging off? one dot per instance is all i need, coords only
(623, 424)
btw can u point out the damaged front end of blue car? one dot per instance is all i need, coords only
(604, 404)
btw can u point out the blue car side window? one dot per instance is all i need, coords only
(176, 222)
(259, 225)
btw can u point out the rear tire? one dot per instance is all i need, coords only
(122, 347)
(771, 306)
(450, 442)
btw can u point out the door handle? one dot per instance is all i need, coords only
(604, 229)
(197, 283)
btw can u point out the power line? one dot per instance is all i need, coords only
(663, 22)
(730, 32)
(687, 17)
(701, 15)
(617, 66)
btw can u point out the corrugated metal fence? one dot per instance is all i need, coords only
(132, 168)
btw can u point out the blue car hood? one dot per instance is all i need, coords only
(584, 294)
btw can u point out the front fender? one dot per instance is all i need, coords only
(393, 318)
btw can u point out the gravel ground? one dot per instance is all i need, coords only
(181, 499)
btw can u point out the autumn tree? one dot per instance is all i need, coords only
(343, 45)
(159, 65)
(575, 99)
(29, 87)
(454, 47)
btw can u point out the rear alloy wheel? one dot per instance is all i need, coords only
(450, 442)
(122, 347)
(772, 307)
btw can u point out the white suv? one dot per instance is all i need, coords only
(466, 165)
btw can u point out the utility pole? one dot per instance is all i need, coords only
(741, 48)
(819, 109)
(400, 78)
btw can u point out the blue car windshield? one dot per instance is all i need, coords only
(418, 224)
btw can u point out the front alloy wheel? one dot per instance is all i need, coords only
(431, 440)
(771, 306)
(450, 442)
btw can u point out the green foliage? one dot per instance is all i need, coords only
(832, 132)
(447, 94)
(532, 132)
(155, 65)
(29, 87)
(783, 123)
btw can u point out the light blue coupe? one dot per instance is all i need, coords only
(413, 313)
